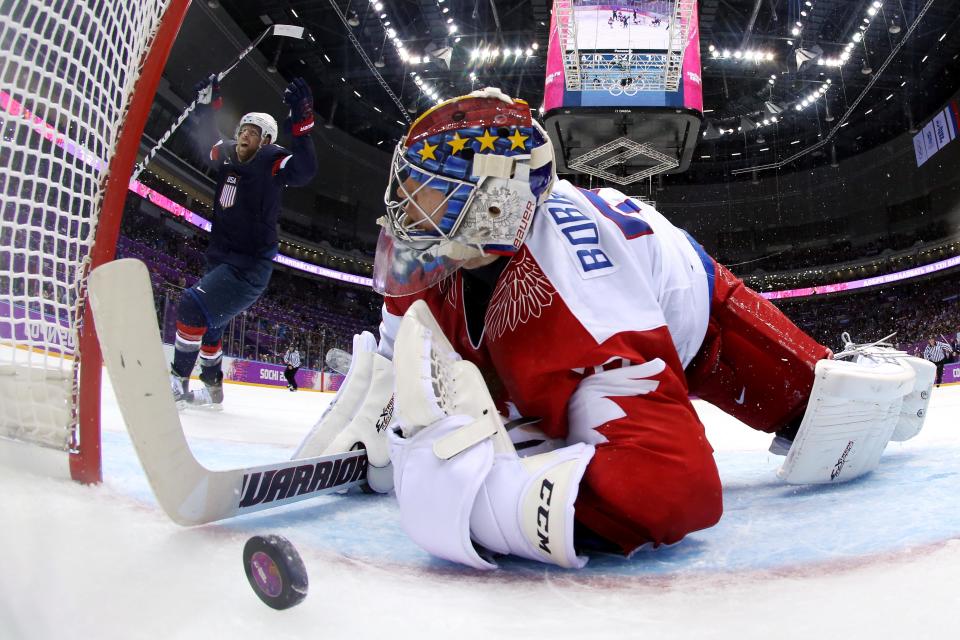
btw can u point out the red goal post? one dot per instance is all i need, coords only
(77, 80)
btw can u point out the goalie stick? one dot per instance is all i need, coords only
(285, 30)
(121, 299)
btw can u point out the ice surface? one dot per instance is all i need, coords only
(875, 558)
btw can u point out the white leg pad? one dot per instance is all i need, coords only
(853, 410)
(360, 413)
(914, 409)
(506, 504)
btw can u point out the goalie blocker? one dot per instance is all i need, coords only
(456, 472)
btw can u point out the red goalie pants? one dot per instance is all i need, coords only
(655, 480)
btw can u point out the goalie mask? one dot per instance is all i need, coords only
(464, 183)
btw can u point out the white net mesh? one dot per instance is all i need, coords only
(67, 71)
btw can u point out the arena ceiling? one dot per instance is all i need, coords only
(898, 72)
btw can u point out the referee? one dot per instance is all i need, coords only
(937, 353)
(292, 359)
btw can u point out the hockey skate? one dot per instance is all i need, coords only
(783, 438)
(178, 384)
(210, 396)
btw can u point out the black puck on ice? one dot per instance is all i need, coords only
(275, 571)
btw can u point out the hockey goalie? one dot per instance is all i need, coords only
(510, 293)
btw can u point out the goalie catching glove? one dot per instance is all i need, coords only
(359, 415)
(457, 476)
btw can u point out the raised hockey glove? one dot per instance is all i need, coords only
(300, 100)
(208, 92)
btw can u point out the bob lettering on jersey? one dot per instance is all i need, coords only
(581, 234)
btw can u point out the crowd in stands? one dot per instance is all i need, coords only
(315, 311)
(804, 256)
(197, 205)
(320, 314)
(317, 314)
(914, 310)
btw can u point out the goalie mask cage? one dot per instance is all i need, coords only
(77, 79)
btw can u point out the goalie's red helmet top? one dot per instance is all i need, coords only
(466, 112)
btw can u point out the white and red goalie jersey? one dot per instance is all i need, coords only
(602, 325)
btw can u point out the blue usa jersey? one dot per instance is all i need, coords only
(248, 197)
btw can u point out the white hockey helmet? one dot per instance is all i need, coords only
(263, 121)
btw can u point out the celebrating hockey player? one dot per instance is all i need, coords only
(251, 174)
(512, 294)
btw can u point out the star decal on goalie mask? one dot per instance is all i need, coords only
(487, 140)
(457, 143)
(517, 140)
(427, 152)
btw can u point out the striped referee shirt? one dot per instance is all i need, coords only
(292, 358)
(936, 352)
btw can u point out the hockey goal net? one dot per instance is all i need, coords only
(77, 78)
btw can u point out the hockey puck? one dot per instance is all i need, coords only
(275, 571)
